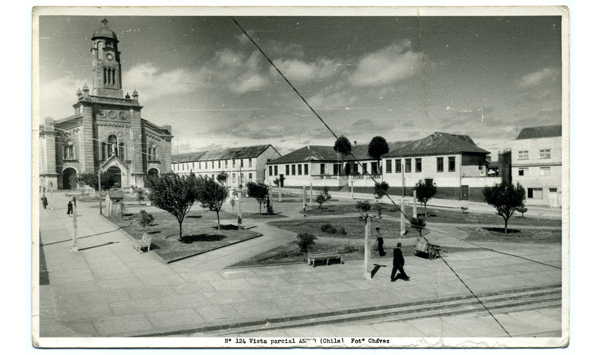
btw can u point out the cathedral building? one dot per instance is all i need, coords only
(106, 131)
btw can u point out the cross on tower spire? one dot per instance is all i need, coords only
(104, 22)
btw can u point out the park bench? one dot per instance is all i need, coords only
(324, 256)
(145, 242)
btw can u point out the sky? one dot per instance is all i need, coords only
(401, 78)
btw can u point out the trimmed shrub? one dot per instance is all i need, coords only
(305, 241)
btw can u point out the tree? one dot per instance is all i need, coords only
(364, 207)
(305, 241)
(173, 193)
(320, 200)
(505, 198)
(222, 177)
(107, 180)
(418, 224)
(211, 195)
(145, 219)
(380, 189)
(425, 192)
(140, 194)
(343, 147)
(521, 209)
(378, 147)
(259, 191)
(276, 182)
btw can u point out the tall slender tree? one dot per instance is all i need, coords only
(343, 147)
(259, 191)
(378, 147)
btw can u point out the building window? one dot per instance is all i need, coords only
(305, 169)
(544, 153)
(270, 171)
(545, 171)
(523, 154)
(287, 170)
(299, 169)
(219, 164)
(535, 193)
(322, 169)
(398, 165)
(388, 166)
(212, 164)
(364, 167)
(275, 170)
(233, 178)
(553, 189)
(440, 165)
(407, 165)
(250, 164)
(524, 172)
(418, 165)
(241, 163)
(451, 163)
(249, 176)
(293, 169)
(374, 168)
(336, 169)
(355, 168)
(69, 151)
(233, 162)
(226, 161)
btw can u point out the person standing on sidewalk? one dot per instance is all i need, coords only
(379, 242)
(44, 201)
(70, 208)
(399, 265)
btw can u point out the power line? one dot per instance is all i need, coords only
(356, 160)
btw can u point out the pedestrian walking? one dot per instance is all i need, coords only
(304, 210)
(44, 201)
(399, 265)
(379, 212)
(70, 208)
(379, 242)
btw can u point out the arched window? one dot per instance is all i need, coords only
(112, 147)
(69, 150)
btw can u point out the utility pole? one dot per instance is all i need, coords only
(414, 203)
(367, 266)
(240, 210)
(279, 189)
(100, 191)
(303, 197)
(311, 195)
(352, 189)
(75, 248)
(402, 219)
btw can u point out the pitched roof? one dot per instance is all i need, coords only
(222, 154)
(437, 143)
(541, 132)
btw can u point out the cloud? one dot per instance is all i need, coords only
(368, 125)
(241, 73)
(58, 96)
(389, 65)
(539, 77)
(299, 71)
(151, 82)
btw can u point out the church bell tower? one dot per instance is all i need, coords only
(106, 63)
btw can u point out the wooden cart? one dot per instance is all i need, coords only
(426, 250)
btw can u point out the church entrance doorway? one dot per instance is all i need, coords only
(69, 179)
(153, 172)
(116, 173)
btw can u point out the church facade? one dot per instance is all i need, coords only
(106, 132)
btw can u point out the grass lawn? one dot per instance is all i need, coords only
(538, 236)
(443, 216)
(354, 227)
(199, 235)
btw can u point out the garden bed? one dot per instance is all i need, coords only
(514, 235)
(199, 236)
(346, 228)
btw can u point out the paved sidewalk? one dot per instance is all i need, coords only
(109, 289)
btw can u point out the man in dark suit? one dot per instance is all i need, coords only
(399, 264)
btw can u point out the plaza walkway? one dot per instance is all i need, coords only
(109, 289)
